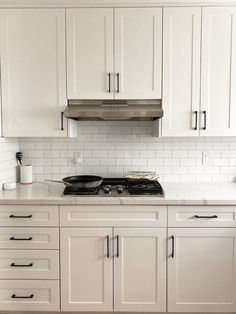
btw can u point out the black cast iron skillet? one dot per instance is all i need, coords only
(81, 182)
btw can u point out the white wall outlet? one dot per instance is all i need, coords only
(78, 158)
(207, 157)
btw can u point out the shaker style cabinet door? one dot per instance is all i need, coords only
(201, 270)
(140, 269)
(218, 93)
(89, 34)
(33, 75)
(86, 269)
(138, 53)
(181, 71)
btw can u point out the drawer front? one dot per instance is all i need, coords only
(29, 295)
(202, 216)
(29, 238)
(29, 264)
(28, 215)
(113, 215)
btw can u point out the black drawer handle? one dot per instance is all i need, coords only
(21, 239)
(208, 217)
(20, 216)
(22, 265)
(14, 296)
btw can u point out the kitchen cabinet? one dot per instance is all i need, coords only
(218, 72)
(181, 71)
(201, 270)
(33, 72)
(140, 269)
(89, 53)
(133, 261)
(86, 269)
(196, 106)
(127, 62)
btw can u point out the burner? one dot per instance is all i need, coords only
(80, 191)
(145, 187)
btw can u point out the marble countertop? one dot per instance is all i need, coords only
(175, 194)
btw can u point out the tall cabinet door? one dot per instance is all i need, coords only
(138, 53)
(202, 270)
(218, 93)
(140, 269)
(89, 53)
(33, 75)
(86, 269)
(181, 71)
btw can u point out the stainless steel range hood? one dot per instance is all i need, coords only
(114, 110)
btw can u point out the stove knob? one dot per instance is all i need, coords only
(106, 189)
(120, 189)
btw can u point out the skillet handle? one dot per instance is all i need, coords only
(57, 181)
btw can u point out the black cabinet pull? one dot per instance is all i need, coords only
(21, 239)
(23, 265)
(205, 122)
(14, 296)
(208, 217)
(117, 246)
(118, 82)
(109, 82)
(173, 246)
(196, 115)
(62, 121)
(20, 216)
(108, 246)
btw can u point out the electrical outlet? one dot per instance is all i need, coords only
(207, 158)
(78, 158)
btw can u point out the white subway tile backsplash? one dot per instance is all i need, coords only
(113, 148)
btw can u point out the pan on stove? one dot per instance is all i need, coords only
(81, 182)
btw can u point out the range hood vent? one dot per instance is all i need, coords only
(117, 110)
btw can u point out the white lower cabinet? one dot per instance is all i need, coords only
(132, 260)
(201, 270)
(140, 269)
(86, 269)
(29, 295)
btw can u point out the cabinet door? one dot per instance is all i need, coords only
(89, 53)
(86, 270)
(218, 93)
(181, 71)
(33, 71)
(140, 270)
(201, 273)
(138, 53)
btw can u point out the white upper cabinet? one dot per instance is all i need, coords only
(118, 58)
(201, 270)
(89, 53)
(140, 270)
(181, 71)
(33, 78)
(218, 93)
(138, 53)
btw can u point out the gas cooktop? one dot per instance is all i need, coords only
(120, 187)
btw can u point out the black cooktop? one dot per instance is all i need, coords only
(119, 187)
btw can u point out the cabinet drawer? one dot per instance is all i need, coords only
(29, 264)
(114, 215)
(202, 216)
(29, 238)
(28, 215)
(29, 295)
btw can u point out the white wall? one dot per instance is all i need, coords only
(112, 148)
(8, 149)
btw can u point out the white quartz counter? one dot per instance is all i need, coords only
(175, 194)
